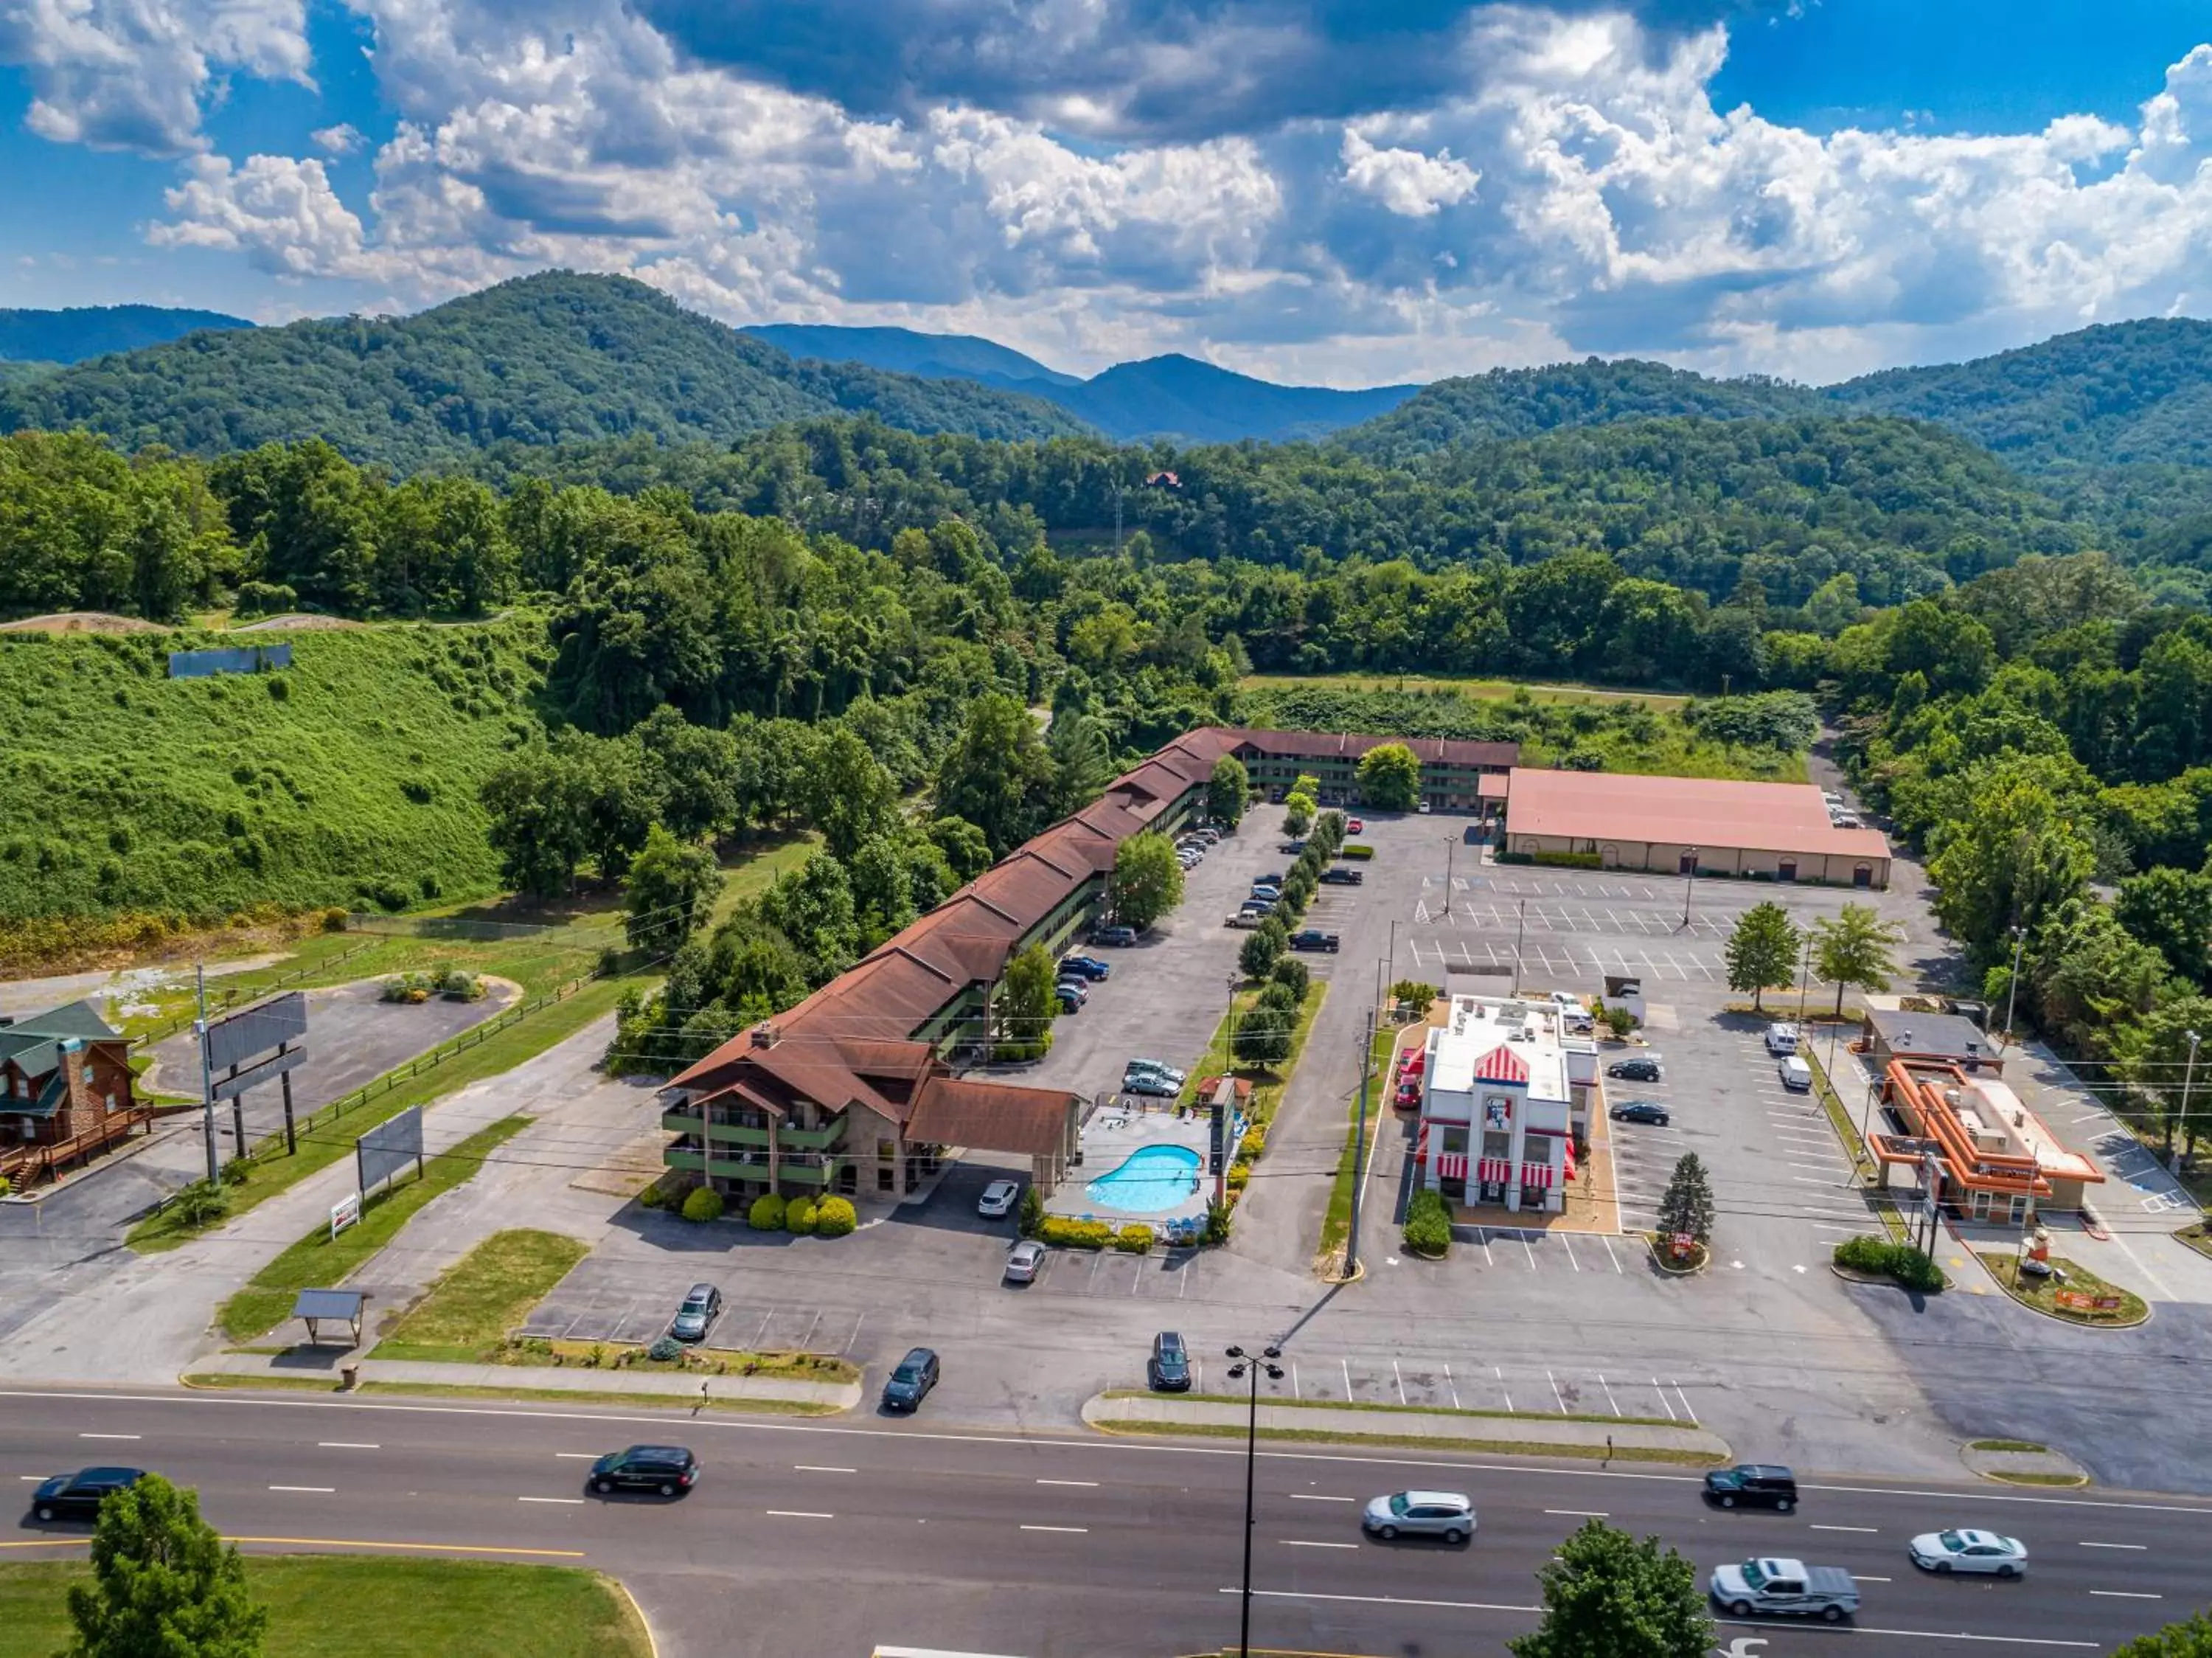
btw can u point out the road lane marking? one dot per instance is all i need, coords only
(2125, 1594)
(574, 1502)
(1300, 1543)
(346, 1445)
(35, 1479)
(1076, 1531)
(1052, 1482)
(110, 1436)
(820, 1468)
(315, 1490)
(1580, 1513)
(2136, 1547)
(1860, 1577)
(578, 1456)
(1869, 1530)
(1403, 1600)
(799, 1514)
(1315, 1496)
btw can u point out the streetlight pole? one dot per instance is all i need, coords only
(1804, 983)
(2012, 987)
(1451, 847)
(2188, 1075)
(1690, 871)
(1520, 932)
(1252, 1365)
(1359, 1152)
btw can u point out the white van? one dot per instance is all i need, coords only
(1780, 1038)
(1796, 1074)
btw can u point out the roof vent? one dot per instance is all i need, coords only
(767, 1033)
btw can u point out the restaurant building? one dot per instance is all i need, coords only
(1498, 1107)
(1993, 1156)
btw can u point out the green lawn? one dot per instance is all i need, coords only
(2042, 1293)
(478, 1300)
(376, 1606)
(333, 1138)
(1483, 690)
(319, 1261)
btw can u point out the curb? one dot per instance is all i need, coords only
(651, 1642)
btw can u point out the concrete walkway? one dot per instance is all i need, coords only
(1541, 1434)
(327, 1362)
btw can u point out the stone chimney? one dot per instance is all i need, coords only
(766, 1034)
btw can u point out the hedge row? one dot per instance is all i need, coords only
(1428, 1224)
(1913, 1268)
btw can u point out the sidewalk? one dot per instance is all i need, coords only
(326, 1362)
(1537, 1436)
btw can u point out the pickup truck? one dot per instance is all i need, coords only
(1314, 939)
(1247, 919)
(1786, 1588)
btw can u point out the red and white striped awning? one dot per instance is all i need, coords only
(1451, 1165)
(1537, 1174)
(1494, 1170)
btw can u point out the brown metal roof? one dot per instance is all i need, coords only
(993, 1116)
(1707, 813)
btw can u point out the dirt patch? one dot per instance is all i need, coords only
(82, 621)
(298, 624)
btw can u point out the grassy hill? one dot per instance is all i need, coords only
(90, 331)
(552, 358)
(349, 779)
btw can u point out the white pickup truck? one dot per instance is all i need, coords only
(1786, 1588)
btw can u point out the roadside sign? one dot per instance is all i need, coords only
(344, 1213)
(2079, 1301)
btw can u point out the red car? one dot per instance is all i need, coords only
(1409, 1095)
(1353, 825)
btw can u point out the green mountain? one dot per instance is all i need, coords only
(908, 351)
(1174, 396)
(91, 331)
(545, 359)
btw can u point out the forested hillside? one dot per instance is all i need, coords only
(90, 331)
(543, 359)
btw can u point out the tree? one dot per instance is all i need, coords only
(1147, 880)
(1762, 951)
(1688, 1204)
(1263, 1035)
(1227, 790)
(1298, 808)
(2155, 1052)
(162, 1582)
(2015, 858)
(966, 851)
(2172, 911)
(695, 770)
(670, 892)
(813, 906)
(2191, 1638)
(1853, 950)
(1607, 1594)
(1390, 778)
(1027, 1001)
(849, 796)
(1259, 954)
(997, 774)
(1082, 765)
(1294, 975)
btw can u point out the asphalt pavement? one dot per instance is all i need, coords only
(900, 1533)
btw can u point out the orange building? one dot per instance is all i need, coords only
(1996, 1155)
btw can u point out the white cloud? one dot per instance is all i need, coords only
(343, 139)
(1410, 184)
(137, 74)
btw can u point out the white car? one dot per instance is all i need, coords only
(1565, 1002)
(1945, 1552)
(1023, 1262)
(1780, 1038)
(998, 1198)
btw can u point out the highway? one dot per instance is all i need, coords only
(922, 1535)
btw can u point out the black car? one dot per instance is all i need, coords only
(1169, 1369)
(1753, 1485)
(78, 1496)
(696, 1316)
(910, 1382)
(1640, 1111)
(1291, 847)
(1314, 939)
(1639, 1070)
(1338, 874)
(1123, 935)
(1070, 999)
(668, 1470)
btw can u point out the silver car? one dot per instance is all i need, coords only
(1447, 1515)
(1945, 1552)
(1023, 1260)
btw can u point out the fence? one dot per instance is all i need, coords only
(229, 995)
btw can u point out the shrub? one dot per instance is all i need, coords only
(1568, 860)
(1135, 1239)
(835, 1217)
(1240, 1176)
(1417, 996)
(799, 1216)
(1217, 1223)
(1913, 1268)
(334, 920)
(1619, 1020)
(1428, 1224)
(1279, 995)
(666, 1350)
(704, 1204)
(652, 1197)
(1074, 1234)
(1020, 1053)
(1255, 1142)
(767, 1213)
(1032, 1215)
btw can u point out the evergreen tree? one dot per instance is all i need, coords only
(1688, 1202)
(162, 1582)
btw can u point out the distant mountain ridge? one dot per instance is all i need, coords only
(91, 331)
(1173, 396)
(551, 359)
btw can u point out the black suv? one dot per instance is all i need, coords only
(1339, 874)
(1314, 939)
(669, 1470)
(1753, 1485)
(78, 1496)
(1638, 1070)
(1169, 1369)
(910, 1382)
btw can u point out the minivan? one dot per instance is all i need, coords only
(1780, 1038)
(1796, 1074)
(1753, 1485)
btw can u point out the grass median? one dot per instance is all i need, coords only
(482, 1297)
(339, 1605)
(1336, 1224)
(319, 1261)
(332, 1138)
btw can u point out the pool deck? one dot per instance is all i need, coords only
(1116, 1132)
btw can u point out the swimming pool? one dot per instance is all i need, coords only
(1154, 1178)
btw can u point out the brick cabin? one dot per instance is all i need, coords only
(66, 1091)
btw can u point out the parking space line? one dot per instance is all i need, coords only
(1452, 1386)
(1556, 1393)
(1295, 1393)
(1607, 1242)
(1687, 1412)
(856, 1335)
(1662, 1391)
(1488, 1260)
(1347, 1364)
(1500, 1375)
(1531, 1249)
(1401, 1375)
(806, 1341)
(763, 1331)
(1567, 1244)
(1609, 1398)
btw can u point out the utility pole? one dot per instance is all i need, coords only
(1520, 931)
(2188, 1075)
(1359, 1151)
(1450, 848)
(2012, 989)
(207, 1078)
(1804, 983)
(1690, 870)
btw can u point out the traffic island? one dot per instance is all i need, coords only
(1661, 1246)
(2197, 1236)
(2022, 1462)
(1598, 1438)
(2070, 1293)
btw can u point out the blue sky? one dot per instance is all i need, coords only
(1331, 190)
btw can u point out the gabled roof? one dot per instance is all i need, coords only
(956, 1111)
(34, 1044)
(1502, 1065)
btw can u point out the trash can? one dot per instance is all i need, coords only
(351, 1378)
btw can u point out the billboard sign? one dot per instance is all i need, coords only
(389, 1148)
(256, 1029)
(1217, 1133)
